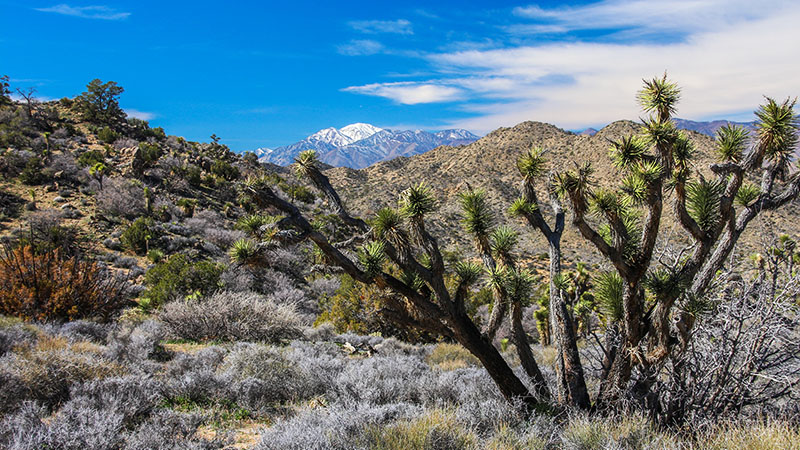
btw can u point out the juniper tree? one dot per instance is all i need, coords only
(655, 164)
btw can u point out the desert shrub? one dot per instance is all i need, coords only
(335, 427)
(63, 165)
(138, 235)
(230, 316)
(262, 375)
(107, 135)
(46, 232)
(120, 197)
(384, 379)
(149, 152)
(91, 157)
(178, 277)
(136, 342)
(33, 174)
(436, 429)
(16, 335)
(225, 170)
(194, 175)
(300, 193)
(52, 286)
(47, 369)
(83, 330)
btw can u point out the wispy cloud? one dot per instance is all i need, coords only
(87, 12)
(409, 93)
(360, 47)
(399, 26)
(679, 16)
(724, 65)
(136, 114)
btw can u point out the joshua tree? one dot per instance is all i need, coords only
(571, 386)
(402, 256)
(654, 164)
(399, 254)
(99, 171)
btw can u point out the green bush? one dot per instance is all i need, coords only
(194, 176)
(150, 152)
(178, 277)
(32, 174)
(107, 135)
(90, 158)
(138, 235)
(224, 170)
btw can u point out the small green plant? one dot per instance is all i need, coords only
(225, 170)
(90, 158)
(178, 277)
(187, 205)
(138, 235)
(155, 256)
(107, 135)
(32, 173)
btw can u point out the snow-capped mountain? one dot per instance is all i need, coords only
(262, 152)
(360, 145)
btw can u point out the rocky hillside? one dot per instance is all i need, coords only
(490, 164)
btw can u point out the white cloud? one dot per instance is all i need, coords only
(360, 47)
(409, 93)
(87, 12)
(136, 114)
(399, 26)
(646, 15)
(724, 70)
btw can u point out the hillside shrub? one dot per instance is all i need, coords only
(231, 316)
(33, 174)
(138, 235)
(177, 277)
(107, 135)
(224, 169)
(53, 286)
(91, 157)
(121, 198)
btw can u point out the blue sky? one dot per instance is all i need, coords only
(270, 73)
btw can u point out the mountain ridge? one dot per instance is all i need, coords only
(359, 145)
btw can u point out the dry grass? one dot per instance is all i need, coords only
(451, 357)
(761, 436)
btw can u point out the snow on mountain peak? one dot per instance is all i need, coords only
(358, 131)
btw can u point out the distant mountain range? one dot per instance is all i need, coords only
(707, 128)
(360, 145)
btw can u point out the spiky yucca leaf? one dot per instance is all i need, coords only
(628, 151)
(635, 188)
(747, 194)
(664, 283)
(731, 142)
(519, 285)
(605, 201)
(633, 229)
(388, 225)
(777, 127)
(417, 201)
(306, 161)
(659, 95)
(372, 256)
(649, 171)
(521, 208)
(660, 133)
(498, 276)
(531, 165)
(683, 151)
(253, 224)
(503, 240)
(577, 182)
(478, 218)
(411, 279)
(608, 292)
(703, 201)
(468, 272)
(243, 251)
